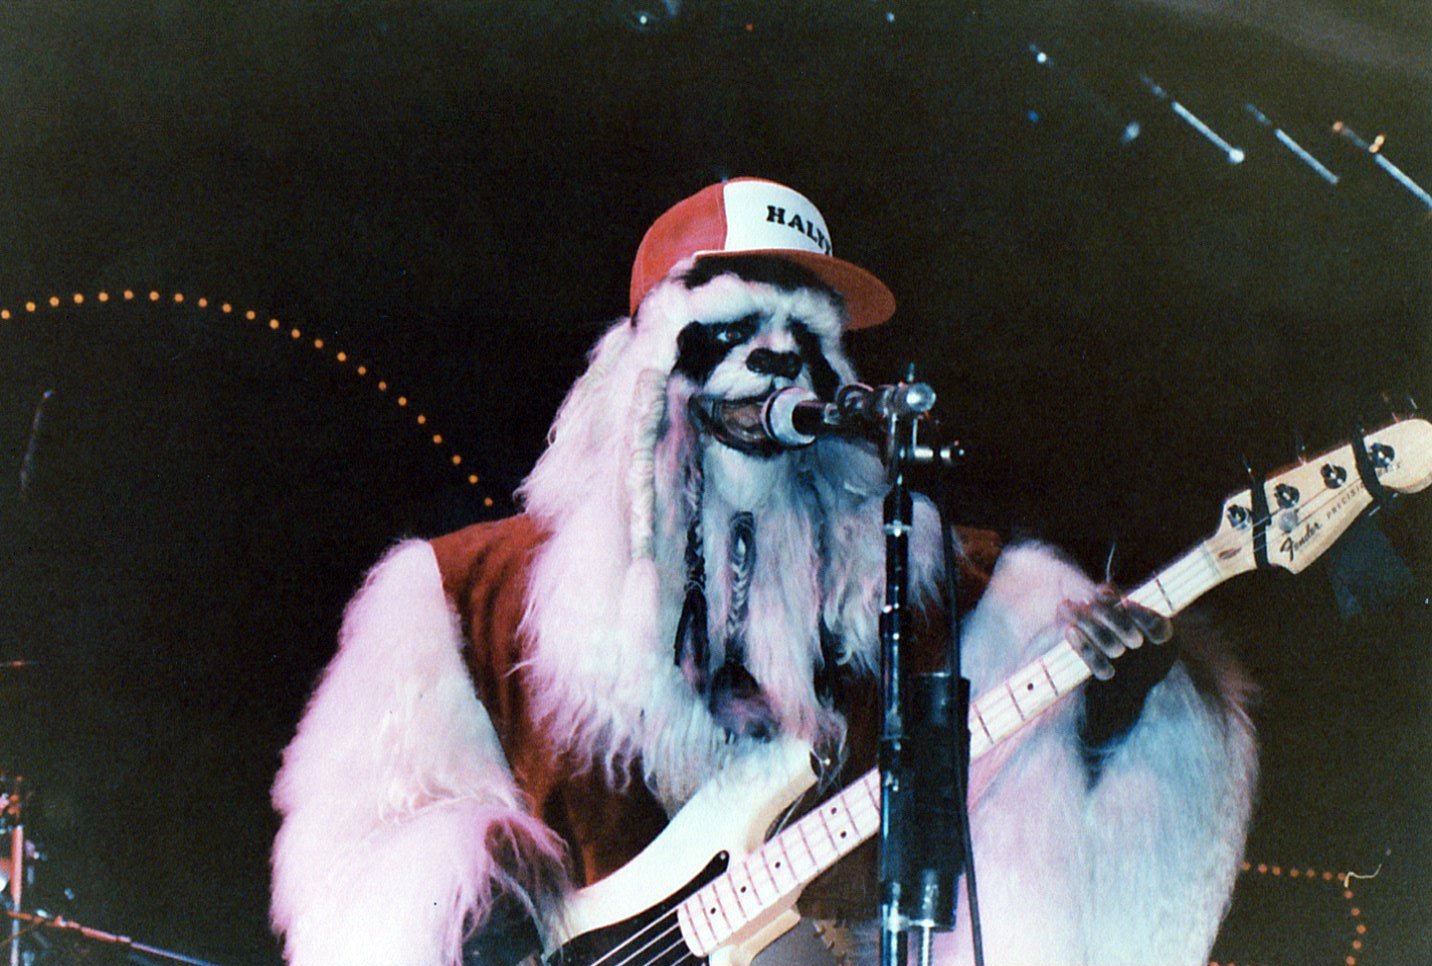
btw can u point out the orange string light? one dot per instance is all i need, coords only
(178, 298)
(1313, 876)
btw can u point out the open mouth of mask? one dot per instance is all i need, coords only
(734, 422)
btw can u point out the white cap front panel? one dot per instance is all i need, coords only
(761, 215)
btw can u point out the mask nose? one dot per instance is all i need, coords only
(767, 362)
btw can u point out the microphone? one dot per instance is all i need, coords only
(794, 417)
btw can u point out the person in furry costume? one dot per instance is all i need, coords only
(516, 708)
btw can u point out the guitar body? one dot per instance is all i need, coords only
(725, 821)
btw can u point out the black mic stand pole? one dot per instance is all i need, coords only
(924, 740)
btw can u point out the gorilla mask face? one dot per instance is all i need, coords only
(762, 325)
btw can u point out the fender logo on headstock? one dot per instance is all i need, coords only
(1290, 545)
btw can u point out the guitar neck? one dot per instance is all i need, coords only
(792, 859)
(1008, 707)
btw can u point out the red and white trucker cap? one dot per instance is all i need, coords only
(753, 216)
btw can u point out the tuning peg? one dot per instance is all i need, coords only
(1300, 447)
(1411, 403)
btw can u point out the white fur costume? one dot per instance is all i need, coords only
(397, 790)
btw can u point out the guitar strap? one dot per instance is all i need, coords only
(1261, 518)
(1367, 470)
(1364, 569)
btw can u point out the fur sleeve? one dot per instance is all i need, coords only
(1137, 866)
(395, 794)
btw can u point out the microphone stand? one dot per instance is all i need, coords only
(924, 741)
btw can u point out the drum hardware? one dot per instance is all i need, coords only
(17, 874)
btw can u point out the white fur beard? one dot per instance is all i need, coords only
(620, 699)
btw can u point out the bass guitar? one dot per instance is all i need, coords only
(713, 888)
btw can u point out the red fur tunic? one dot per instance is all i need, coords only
(484, 574)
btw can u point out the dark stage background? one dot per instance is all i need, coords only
(449, 195)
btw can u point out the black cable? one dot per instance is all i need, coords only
(952, 612)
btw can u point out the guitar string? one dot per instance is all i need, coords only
(669, 918)
(665, 933)
(1193, 569)
(687, 955)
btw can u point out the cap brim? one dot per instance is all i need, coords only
(867, 301)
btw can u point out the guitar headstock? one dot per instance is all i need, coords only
(1314, 501)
